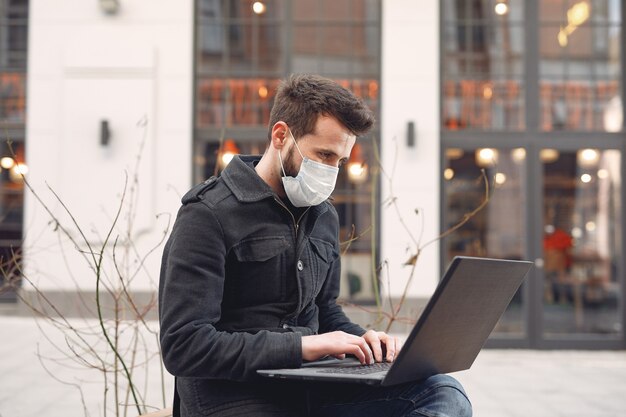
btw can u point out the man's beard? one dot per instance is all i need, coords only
(289, 164)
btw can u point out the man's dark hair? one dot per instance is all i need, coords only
(302, 98)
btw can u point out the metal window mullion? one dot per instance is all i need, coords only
(531, 67)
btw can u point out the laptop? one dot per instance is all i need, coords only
(451, 331)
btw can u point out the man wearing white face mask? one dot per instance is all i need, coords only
(250, 277)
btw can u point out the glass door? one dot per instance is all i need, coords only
(581, 249)
(486, 210)
(561, 208)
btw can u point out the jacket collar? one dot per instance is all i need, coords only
(247, 186)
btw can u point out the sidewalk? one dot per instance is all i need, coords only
(501, 383)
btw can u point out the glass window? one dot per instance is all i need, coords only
(13, 43)
(579, 53)
(243, 52)
(483, 65)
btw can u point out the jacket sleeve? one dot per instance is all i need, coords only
(190, 295)
(331, 315)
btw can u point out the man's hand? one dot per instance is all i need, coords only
(376, 340)
(366, 349)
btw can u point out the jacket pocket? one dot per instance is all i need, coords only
(256, 271)
(260, 249)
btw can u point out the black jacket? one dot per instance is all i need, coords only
(242, 280)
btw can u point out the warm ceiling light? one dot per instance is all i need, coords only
(588, 157)
(518, 155)
(448, 174)
(576, 16)
(486, 157)
(263, 91)
(603, 174)
(357, 167)
(548, 156)
(7, 162)
(501, 9)
(586, 178)
(18, 171)
(578, 13)
(229, 150)
(500, 178)
(259, 7)
(454, 153)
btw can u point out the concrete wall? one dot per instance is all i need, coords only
(410, 92)
(133, 69)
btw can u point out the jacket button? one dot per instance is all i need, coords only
(300, 266)
(285, 326)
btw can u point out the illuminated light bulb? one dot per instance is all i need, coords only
(590, 226)
(357, 167)
(577, 232)
(448, 173)
(518, 154)
(486, 156)
(357, 172)
(501, 9)
(227, 157)
(228, 152)
(258, 7)
(263, 91)
(548, 155)
(586, 178)
(18, 171)
(588, 157)
(454, 153)
(562, 38)
(578, 13)
(7, 162)
(500, 178)
(603, 174)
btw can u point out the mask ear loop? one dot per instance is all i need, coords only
(296, 143)
(280, 159)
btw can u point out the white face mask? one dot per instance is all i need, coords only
(313, 184)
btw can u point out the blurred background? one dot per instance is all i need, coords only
(530, 91)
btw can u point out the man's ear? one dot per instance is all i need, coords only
(279, 134)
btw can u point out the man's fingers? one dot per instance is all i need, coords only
(369, 356)
(374, 342)
(357, 351)
(392, 345)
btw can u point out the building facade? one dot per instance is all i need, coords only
(511, 107)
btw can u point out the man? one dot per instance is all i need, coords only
(250, 277)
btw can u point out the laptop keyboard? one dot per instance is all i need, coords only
(358, 370)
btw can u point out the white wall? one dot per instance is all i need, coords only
(410, 92)
(135, 70)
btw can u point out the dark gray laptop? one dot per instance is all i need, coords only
(451, 331)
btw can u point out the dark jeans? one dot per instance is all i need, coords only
(437, 396)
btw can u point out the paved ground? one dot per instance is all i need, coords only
(502, 383)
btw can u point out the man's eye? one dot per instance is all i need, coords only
(325, 155)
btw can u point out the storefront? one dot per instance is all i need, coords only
(528, 91)
(532, 94)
